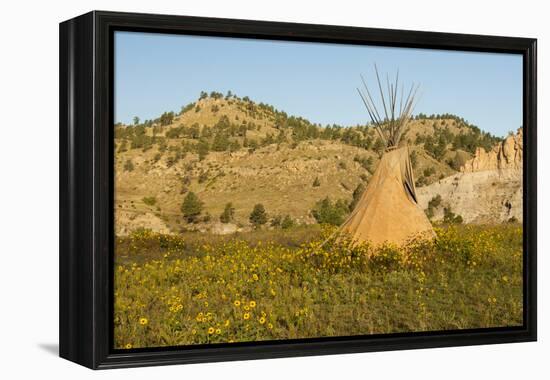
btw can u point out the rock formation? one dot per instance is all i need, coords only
(506, 155)
(488, 189)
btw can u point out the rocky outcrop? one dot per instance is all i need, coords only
(127, 221)
(488, 189)
(489, 196)
(224, 228)
(506, 155)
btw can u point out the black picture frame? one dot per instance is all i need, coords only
(86, 187)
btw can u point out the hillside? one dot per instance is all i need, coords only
(231, 149)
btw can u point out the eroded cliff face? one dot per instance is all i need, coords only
(506, 155)
(488, 189)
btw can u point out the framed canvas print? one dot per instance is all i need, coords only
(236, 189)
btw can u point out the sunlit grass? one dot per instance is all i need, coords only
(182, 290)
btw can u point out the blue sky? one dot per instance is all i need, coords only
(156, 73)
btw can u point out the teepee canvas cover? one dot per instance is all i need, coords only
(388, 211)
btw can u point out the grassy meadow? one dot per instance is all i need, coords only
(197, 288)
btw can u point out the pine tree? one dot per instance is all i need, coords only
(276, 221)
(202, 150)
(287, 223)
(220, 143)
(129, 166)
(356, 195)
(258, 216)
(326, 212)
(228, 213)
(191, 207)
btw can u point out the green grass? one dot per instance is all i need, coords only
(197, 288)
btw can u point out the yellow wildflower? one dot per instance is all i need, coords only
(210, 330)
(143, 321)
(246, 315)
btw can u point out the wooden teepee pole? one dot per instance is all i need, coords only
(391, 127)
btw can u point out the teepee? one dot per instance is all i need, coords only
(388, 210)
